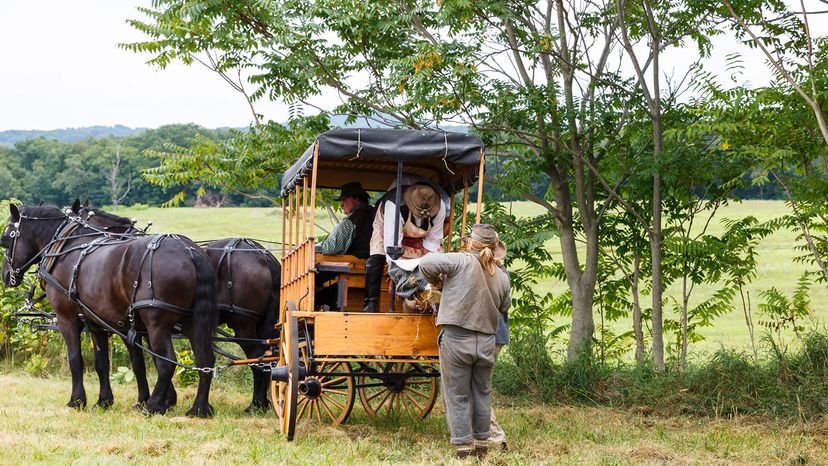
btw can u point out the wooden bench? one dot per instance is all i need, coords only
(347, 274)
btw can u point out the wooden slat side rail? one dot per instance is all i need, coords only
(343, 333)
(298, 278)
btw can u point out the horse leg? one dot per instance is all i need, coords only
(204, 357)
(101, 341)
(71, 329)
(139, 369)
(161, 343)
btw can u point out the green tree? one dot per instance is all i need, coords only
(534, 82)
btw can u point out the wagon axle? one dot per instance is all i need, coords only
(282, 373)
(311, 388)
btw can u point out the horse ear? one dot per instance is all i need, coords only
(86, 203)
(40, 204)
(15, 213)
(76, 206)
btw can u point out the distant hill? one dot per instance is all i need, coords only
(339, 121)
(8, 138)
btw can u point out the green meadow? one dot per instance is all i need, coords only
(37, 428)
(776, 267)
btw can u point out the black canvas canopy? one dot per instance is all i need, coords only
(370, 156)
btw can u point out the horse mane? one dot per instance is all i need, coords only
(116, 220)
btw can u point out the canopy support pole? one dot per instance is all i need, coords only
(480, 186)
(465, 207)
(395, 251)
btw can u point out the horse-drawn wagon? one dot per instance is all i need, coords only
(328, 355)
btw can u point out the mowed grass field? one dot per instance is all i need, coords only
(37, 428)
(776, 266)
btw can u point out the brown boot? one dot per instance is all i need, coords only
(464, 451)
(481, 448)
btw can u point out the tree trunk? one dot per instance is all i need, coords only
(685, 298)
(655, 235)
(582, 286)
(637, 330)
(655, 254)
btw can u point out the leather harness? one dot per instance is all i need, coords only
(227, 254)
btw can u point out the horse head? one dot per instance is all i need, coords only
(28, 232)
(103, 220)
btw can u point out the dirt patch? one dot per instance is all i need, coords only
(652, 453)
(155, 447)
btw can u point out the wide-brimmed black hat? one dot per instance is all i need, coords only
(352, 189)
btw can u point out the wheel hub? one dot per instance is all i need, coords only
(311, 388)
(394, 383)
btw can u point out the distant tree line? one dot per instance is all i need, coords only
(106, 170)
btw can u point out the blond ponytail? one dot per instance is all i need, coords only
(486, 255)
(487, 260)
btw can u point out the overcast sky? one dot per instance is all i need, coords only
(60, 67)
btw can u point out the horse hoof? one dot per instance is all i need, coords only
(172, 398)
(153, 408)
(201, 411)
(105, 404)
(77, 403)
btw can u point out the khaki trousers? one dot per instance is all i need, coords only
(466, 363)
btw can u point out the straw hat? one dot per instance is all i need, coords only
(422, 200)
(487, 235)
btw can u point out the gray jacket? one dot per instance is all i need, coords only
(471, 298)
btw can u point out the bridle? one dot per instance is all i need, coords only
(14, 234)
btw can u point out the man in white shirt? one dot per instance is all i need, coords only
(420, 232)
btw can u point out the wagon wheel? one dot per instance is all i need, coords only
(283, 394)
(327, 398)
(397, 388)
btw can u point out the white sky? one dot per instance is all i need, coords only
(60, 67)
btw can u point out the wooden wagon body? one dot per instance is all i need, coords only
(327, 357)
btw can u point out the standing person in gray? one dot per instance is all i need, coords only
(475, 293)
(498, 436)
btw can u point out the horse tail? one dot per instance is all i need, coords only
(272, 315)
(205, 308)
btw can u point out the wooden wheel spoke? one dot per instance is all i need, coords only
(388, 394)
(318, 410)
(414, 402)
(406, 405)
(333, 381)
(327, 409)
(419, 382)
(336, 403)
(417, 392)
(380, 392)
(303, 405)
(338, 392)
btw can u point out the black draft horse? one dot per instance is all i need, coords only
(249, 278)
(103, 281)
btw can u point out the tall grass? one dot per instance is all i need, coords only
(787, 383)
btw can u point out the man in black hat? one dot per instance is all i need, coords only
(353, 234)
